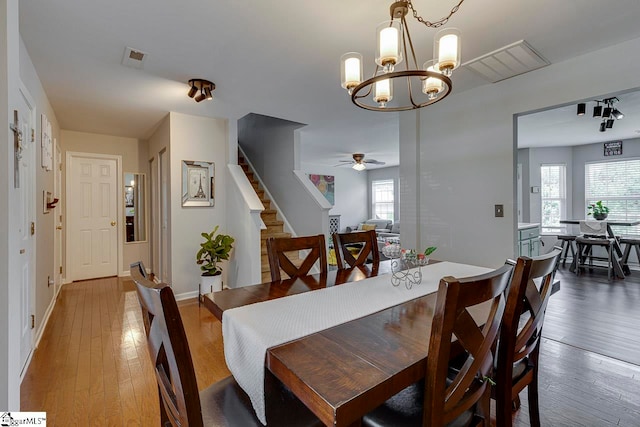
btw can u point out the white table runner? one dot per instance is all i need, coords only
(250, 330)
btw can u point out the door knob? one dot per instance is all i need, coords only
(113, 223)
(59, 227)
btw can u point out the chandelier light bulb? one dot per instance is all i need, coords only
(351, 70)
(383, 92)
(389, 52)
(431, 86)
(447, 50)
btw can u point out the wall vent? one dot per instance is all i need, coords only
(133, 58)
(506, 62)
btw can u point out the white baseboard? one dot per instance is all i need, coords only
(187, 295)
(45, 319)
(41, 329)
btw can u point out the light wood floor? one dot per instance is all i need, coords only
(92, 366)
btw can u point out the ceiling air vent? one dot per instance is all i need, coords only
(133, 58)
(506, 62)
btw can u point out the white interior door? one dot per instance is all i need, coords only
(26, 229)
(57, 193)
(93, 214)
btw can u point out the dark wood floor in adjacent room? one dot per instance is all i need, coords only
(92, 366)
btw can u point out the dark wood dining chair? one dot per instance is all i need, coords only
(457, 387)
(520, 336)
(279, 247)
(222, 404)
(365, 241)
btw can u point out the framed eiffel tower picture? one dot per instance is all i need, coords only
(198, 183)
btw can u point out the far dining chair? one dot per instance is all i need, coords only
(520, 336)
(460, 396)
(223, 404)
(283, 253)
(365, 242)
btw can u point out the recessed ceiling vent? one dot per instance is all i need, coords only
(133, 58)
(506, 62)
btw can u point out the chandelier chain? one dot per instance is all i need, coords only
(438, 23)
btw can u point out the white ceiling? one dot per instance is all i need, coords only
(562, 126)
(277, 58)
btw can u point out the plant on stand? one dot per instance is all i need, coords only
(214, 249)
(598, 210)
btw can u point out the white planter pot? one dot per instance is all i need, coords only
(210, 284)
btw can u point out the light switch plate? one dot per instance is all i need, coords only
(499, 209)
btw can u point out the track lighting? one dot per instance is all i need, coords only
(617, 114)
(597, 110)
(606, 111)
(205, 87)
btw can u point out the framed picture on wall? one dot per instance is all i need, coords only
(198, 183)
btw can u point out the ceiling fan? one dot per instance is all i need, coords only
(358, 162)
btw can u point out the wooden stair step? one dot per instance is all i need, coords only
(266, 236)
(275, 223)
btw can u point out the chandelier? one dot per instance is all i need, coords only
(415, 87)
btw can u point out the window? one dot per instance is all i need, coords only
(553, 180)
(617, 184)
(382, 199)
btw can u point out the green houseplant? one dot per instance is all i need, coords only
(215, 248)
(598, 210)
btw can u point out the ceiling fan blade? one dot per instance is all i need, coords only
(341, 164)
(374, 162)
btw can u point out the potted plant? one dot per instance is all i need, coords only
(214, 249)
(598, 210)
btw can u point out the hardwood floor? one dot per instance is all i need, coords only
(92, 366)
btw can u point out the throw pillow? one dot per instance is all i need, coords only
(367, 227)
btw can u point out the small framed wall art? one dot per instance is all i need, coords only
(198, 180)
(613, 148)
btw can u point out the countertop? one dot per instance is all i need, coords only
(523, 225)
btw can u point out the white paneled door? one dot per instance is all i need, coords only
(26, 229)
(92, 213)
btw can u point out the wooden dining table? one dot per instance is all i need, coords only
(343, 372)
(610, 233)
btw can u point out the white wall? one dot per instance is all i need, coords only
(45, 223)
(269, 144)
(467, 159)
(201, 139)
(9, 274)
(350, 192)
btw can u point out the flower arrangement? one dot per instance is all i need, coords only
(409, 256)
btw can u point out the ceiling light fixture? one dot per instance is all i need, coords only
(597, 110)
(424, 86)
(359, 166)
(205, 87)
(608, 113)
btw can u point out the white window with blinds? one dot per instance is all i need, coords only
(382, 199)
(553, 193)
(617, 184)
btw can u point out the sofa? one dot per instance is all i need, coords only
(393, 232)
(379, 225)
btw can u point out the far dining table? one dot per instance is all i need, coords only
(616, 243)
(345, 370)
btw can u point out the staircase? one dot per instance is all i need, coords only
(270, 218)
